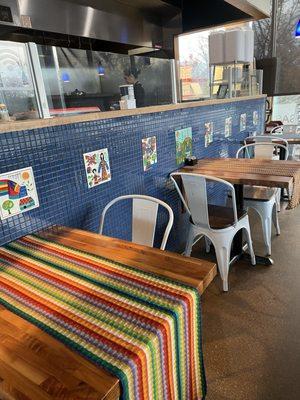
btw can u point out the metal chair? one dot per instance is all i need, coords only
(272, 139)
(266, 139)
(263, 149)
(218, 224)
(277, 129)
(144, 216)
(262, 199)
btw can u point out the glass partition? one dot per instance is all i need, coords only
(17, 91)
(38, 81)
(78, 81)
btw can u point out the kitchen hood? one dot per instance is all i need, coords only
(138, 26)
(113, 25)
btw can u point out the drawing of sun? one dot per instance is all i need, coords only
(25, 175)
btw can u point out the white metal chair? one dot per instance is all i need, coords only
(264, 146)
(282, 129)
(266, 139)
(263, 200)
(218, 224)
(265, 151)
(144, 216)
(277, 129)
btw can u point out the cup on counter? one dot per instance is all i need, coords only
(4, 116)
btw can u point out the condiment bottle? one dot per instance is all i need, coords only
(4, 116)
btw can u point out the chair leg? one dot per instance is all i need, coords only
(189, 243)
(249, 242)
(223, 257)
(267, 232)
(276, 220)
(278, 198)
(265, 210)
(207, 244)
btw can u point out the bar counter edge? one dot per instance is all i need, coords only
(56, 121)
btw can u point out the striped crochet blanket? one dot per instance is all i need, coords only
(144, 329)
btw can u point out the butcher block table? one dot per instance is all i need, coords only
(252, 172)
(36, 366)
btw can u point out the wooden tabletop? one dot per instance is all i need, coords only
(216, 168)
(35, 366)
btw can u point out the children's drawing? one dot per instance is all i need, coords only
(209, 133)
(255, 118)
(17, 192)
(97, 167)
(149, 151)
(228, 127)
(243, 122)
(184, 143)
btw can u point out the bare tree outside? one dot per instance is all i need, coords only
(287, 45)
(193, 50)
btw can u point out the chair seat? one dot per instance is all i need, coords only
(222, 217)
(259, 193)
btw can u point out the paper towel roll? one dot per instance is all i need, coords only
(234, 45)
(216, 47)
(249, 45)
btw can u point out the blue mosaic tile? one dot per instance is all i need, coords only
(55, 153)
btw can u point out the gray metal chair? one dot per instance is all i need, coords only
(218, 224)
(262, 199)
(144, 216)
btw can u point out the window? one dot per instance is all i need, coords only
(286, 109)
(287, 45)
(194, 65)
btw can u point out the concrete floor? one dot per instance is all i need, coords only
(252, 333)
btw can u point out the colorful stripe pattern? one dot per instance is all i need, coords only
(144, 329)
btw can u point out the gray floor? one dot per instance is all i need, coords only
(252, 333)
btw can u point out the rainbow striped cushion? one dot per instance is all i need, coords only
(143, 328)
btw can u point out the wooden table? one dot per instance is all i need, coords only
(215, 167)
(34, 366)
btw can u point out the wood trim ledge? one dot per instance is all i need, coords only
(57, 121)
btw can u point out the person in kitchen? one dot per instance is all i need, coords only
(131, 78)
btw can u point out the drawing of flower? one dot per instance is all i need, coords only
(91, 160)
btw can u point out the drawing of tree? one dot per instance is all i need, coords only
(8, 205)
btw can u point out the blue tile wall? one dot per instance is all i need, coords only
(55, 153)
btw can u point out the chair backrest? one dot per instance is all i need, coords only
(194, 198)
(277, 129)
(263, 150)
(267, 139)
(144, 216)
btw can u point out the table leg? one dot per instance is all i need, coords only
(282, 154)
(238, 247)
